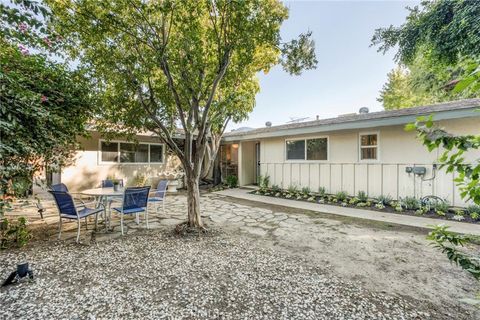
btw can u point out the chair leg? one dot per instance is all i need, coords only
(96, 221)
(121, 222)
(146, 216)
(163, 205)
(86, 223)
(78, 230)
(59, 228)
(137, 218)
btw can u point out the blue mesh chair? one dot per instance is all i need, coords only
(159, 195)
(109, 183)
(59, 187)
(135, 200)
(68, 210)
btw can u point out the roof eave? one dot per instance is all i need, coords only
(358, 124)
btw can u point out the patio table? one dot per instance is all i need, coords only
(104, 195)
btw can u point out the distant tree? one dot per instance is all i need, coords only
(440, 44)
(399, 92)
(188, 64)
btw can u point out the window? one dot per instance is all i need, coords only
(369, 146)
(109, 152)
(156, 153)
(126, 152)
(131, 153)
(307, 149)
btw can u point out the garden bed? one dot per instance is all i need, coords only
(428, 207)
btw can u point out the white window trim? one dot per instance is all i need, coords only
(360, 134)
(305, 155)
(99, 153)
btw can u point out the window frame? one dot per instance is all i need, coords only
(360, 147)
(118, 162)
(305, 151)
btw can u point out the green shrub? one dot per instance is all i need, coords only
(322, 191)
(264, 181)
(384, 199)
(14, 233)
(306, 190)
(292, 189)
(473, 208)
(353, 201)
(474, 215)
(275, 188)
(410, 203)
(362, 196)
(341, 196)
(441, 206)
(232, 181)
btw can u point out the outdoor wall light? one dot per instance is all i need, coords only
(21, 273)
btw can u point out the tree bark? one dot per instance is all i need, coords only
(193, 201)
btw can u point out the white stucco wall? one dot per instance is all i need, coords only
(88, 172)
(343, 171)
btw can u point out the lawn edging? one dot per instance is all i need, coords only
(412, 221)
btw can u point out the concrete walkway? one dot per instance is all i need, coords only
(405, 220)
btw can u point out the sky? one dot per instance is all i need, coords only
(349, 73)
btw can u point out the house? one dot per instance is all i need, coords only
(99, 159)
(368, 152)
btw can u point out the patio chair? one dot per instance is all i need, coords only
(62, 187)
(159, 195)
(135, 200)
(108, 183)
(68, 210)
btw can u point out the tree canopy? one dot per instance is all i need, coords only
(189, 65)
(439, 46)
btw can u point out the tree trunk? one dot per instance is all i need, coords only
(193, 200)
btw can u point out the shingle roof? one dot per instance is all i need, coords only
(414, 111)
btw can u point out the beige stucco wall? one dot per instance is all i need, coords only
(88, 172)
(345, 172)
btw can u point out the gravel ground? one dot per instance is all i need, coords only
(155, 275)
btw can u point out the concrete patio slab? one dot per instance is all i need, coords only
(418, 222)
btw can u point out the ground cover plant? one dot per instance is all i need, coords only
(439, 209)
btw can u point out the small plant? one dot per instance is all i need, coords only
(399, 208)
(353, 201)
(311, 199)
(410, 203)
(361, 204)
(380, 206)
(441, 207)
(264, 182)
(341, 196)
(384, 199)
(322, 191)
(458, 217)
(14, 233)
(232, 181)
(473, 208)
(292, 189)
(138, 181)
(275, 188)
(474, 215)
(362, 196)
(278, 194)
(306, 190)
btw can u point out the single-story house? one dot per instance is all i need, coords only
(365, 151)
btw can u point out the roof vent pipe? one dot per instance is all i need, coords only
(268, 124)
(318, 117)
(363, 110)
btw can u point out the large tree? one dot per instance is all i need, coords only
(179, 67)
(440, 45)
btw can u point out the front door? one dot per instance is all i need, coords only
(257, 162)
